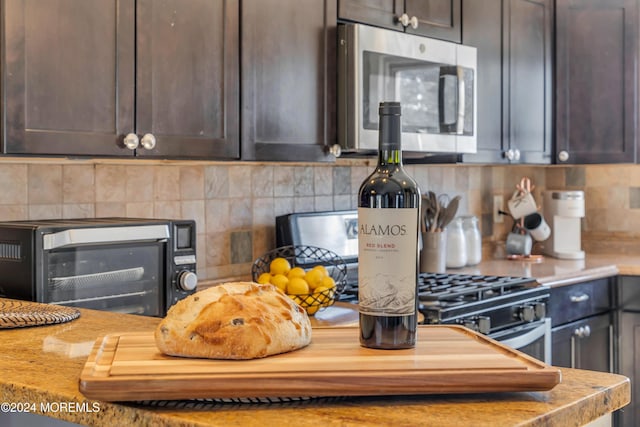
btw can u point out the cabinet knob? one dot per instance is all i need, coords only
(131, 141)
(516, 154)
(582, 332)
(148, 141)
(510, 154)
(413, 22)
(406, 21)
(336, 150)
(563, 156)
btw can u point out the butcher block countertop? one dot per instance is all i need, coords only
(40, 367)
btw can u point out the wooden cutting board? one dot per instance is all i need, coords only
(446, 359)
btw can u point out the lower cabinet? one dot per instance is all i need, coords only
(628, 299)
(583, 326)
(584, 344)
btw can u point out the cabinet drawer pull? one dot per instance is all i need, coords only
(579, 298)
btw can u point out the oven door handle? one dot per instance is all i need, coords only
(104, 235)
(520, 341)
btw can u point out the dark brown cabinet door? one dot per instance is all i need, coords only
(68, 76)
(584, 344)
(629, 340)
(187, 77)
(482, 29)
(434, 18)
(527, 79)
(288, 79)
(79, 76)
(596, 75)
(514, 42)
(381, 13)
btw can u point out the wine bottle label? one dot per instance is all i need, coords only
(387, 261)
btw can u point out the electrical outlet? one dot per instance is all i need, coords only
(498, 205)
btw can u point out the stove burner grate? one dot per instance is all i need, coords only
(460, 288)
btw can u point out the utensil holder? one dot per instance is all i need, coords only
(433, 255)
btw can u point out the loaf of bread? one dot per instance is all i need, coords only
(238, 320)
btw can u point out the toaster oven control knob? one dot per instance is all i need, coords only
(131, 141)
(187, 280)
(526, 313)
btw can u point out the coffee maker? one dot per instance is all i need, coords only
(563, 210)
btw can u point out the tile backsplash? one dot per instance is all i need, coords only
(235, 203)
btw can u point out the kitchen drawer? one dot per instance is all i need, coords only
(573, 302)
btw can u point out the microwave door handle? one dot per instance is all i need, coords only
(461, 101)
(457, 125)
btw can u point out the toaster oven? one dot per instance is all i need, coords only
(129, 265)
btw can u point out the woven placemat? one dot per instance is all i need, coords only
(19, 314)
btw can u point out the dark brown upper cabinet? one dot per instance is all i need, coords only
(514, 42)
(597, 81)
(432, 18)
(79, 76)
(288, 64)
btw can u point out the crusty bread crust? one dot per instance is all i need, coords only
(236, 320)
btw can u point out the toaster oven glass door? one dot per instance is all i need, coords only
(126, 277)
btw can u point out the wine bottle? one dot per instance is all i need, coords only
(388, 206)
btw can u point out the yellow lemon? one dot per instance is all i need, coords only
(324, 295)
(264, 278)
(312, 310)
(296, 299)
(322, 269)
(314, 278)
(279, 266)
(296, 272)
(297, 286)
(328, 282)
(280, 281)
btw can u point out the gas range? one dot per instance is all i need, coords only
(487, 304)
(493, 305)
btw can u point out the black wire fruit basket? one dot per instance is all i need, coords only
(308, 257)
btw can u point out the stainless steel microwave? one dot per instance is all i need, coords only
(434, 81)
(128, 265)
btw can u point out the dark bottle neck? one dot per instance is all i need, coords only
(390, 152)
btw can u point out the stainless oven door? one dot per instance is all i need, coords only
(118, 269)
(533, 339)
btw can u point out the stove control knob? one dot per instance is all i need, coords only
(525, 313)
(540, 310)
(484, 324)
(470, 323)
(187, 280)
(480, 324)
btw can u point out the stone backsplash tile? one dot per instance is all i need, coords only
(45, 184)
(634, 197)
(235, 204)
(78, 184)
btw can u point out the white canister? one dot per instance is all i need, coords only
(456, 245)
(473, 240)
